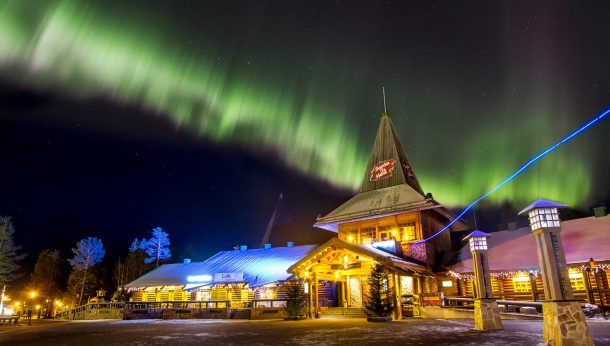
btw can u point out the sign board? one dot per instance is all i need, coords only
(228, 277)
(431, 299)
(382, 170)
(349, 265)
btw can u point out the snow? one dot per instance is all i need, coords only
(516, 250)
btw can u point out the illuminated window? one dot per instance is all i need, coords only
(407, 231)
(406, 284)
(385, 233)
(478, 243)
(576, 280)
(447, 283)
(544, 217)
(368, 235)
(522, 284)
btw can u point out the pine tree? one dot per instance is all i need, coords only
(134, 265)
(157, 247)
(379, 300)
(295, 297)
(48, 272)
(9, 252)
(76, 279)
(88, 253)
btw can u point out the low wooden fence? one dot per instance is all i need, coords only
(88, 307)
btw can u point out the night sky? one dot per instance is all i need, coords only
(118, 117)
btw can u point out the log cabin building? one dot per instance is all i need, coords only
(387, 222)
(514, 264)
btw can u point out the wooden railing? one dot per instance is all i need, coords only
(269, 303)
(90, 306)
(207, 304)
(187, 304)
(451, 302)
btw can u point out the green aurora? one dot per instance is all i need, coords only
(314, 101)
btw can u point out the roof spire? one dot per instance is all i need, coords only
(385, 109)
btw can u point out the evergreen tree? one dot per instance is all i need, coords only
(134, 265)
(157, 247)
(379, 300)
(92, 278)
(48, 273)
(9, 252)
(295, 297)
(88, 253)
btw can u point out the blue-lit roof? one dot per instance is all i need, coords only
(541, 203)
(477, 233)
(259, 267)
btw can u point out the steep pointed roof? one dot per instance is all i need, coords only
(389, 185)
(388, 164)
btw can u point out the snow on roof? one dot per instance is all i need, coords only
(477, 233)
(259, 267)
(516, 250)
(541, 203)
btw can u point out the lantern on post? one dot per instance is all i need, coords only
(478, 247)
(486, 312)
(563, 318)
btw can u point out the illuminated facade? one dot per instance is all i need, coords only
(390, 221)
(515, 272)
(384, 223)
(236, 277)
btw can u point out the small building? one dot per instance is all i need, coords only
(238, 276)
(513, 262)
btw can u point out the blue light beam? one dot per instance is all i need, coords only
(530, 162)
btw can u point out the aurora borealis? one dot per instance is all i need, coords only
(474, 91)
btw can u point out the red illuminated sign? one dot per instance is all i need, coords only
(382, 170)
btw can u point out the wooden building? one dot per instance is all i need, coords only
(238, 276)
(383, 223)
(390, 221)
(514, 263)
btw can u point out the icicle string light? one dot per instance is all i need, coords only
(520, 170)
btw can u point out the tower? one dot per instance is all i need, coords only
(391, 206)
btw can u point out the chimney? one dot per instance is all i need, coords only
(290, 244)
(599, 211)
(267, 246)
(186, 261)
(243, 247)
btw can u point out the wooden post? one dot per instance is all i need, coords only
(588, 287)
(316, 300)
(310, 299)
(397, 299)
(348, 295)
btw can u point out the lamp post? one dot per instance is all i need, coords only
(32, 296)
(597, 283)
(486, 312)
(563, 319)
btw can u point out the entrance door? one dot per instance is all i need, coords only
(355, 292)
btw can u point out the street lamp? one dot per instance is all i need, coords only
(563, 320)
(601, 298)
(478, 247)
(32, 296)
(486, 312)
